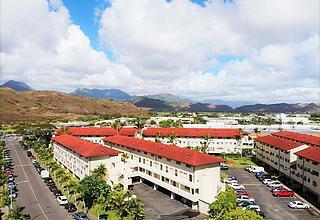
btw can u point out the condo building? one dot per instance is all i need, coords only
(182, 173)
(297, 156)
(215, 140)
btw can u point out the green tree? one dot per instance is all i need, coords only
(101, 171)
(226, 202)
(240, 214)
(117, 125)
(124, 157)
(158, 137)
(139, 122)
(16, 213)
(172, 138)
(205, 144)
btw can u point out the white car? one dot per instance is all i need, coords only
(298, 205)
(245, 198)
(230, 181)
(250, 168)
(267, 181)
(252, 207)
(236, 186)
(275, 184)
(62, 200)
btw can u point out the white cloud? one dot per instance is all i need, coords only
(168, 47)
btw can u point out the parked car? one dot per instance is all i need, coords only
(223, 167)
(245, 198)
(259, 174)
(298, 205)
(70, 207)
(80, 216)
(275, 184)
(267, 181)
(263, 177)
(249, 168)
(62, 200)
(229, 181)
(283, 193)
(261, 213)
(253, 207)
(57, 193)
(53, 188)
(239, 193)
(51, 184)
(277, 189)
(47, 180)
(9, 173)
(10, 178)
(13, 194)
(245, 203)
(236, 186)
(29, 154)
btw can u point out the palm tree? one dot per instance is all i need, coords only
(139, 123)
(117, 125)
(101, 171)
(172, 138)
(158, 137)
(205, 144)
(124, 157)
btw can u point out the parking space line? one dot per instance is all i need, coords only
(22, 165)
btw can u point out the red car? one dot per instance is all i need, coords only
(245, 193)
(9, 173)
(283, 193)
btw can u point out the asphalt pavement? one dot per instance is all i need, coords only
(274, 207)
(33, 194)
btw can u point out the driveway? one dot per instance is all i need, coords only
(275, 208)
(33, 194)
(159, 206)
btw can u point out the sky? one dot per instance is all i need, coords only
(263, 51)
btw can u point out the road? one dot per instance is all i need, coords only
(33, 194)
(275, 208)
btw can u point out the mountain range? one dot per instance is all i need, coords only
(169, 102)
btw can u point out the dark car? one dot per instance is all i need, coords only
(51, 184)
(223, 167)
(70, 207)
(39, 169)
(80, 216)
(258, 174)
(57, 193)
(261, 213)
(266, 176)
(245, 203)
(29, 154)
(53, 188)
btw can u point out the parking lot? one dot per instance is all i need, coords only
(157, 205)
(274, 207)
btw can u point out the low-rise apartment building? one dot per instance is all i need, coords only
(278, 153)
(310, 140)
(184, 173)
(80, 156)
(215, 140)
(308, 169)
(187, 175)
(96, 134)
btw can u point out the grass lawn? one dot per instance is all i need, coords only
(239, 162)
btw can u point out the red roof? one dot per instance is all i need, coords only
(100, 131)
(193, 132)
(83, 147)
(304, 138)
(184, 155)
(277, 142)
(311, 153)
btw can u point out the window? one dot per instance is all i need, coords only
(177, 162)
(168, 160)
(314, 183)
(192, 191)
(139, 159)
(190, 177)
(144, 161)
(167, 169)
(159, 157)
(145, 153)
(131, 157)
(160, 166)
(150, 163)
(176, 172)
(197, 191)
